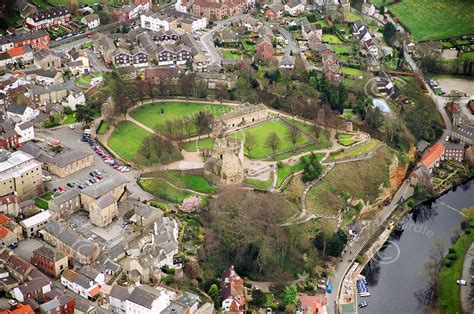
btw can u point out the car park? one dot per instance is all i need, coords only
(81, 186)
(70, 184)
(61, 188)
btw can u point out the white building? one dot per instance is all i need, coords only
(166, 238)
(91, 20)
(156, 22)
(74, 99)
(294, 7)
(35, 223)
(180, 6)
(368, 9)
(147, 300)
(25, 131)
(21, 113)
(35, 286)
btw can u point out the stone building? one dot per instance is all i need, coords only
(226, 160)
(245, 114)
(20, 173)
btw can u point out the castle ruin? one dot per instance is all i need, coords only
(226, 160)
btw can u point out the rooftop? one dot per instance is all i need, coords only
(49, 253)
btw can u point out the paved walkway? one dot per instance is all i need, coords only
(467, 304)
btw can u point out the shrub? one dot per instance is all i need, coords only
(280, 165)
(67, 110)
(447, 262)
(359, 259)
(452, 256)
(451, 250)
(467, 231)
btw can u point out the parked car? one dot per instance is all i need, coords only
(72, 127)
(461, 282)
(61, 188)
(81, 186)
(12, 302)
(69, 184)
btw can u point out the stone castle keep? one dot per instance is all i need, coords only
(226, 160)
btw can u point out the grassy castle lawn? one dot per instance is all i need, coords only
(150, 114)
(326, 197)
(183, 180)
(127, 139)
(193, 146)
(435, 19)
(262, 131)
(164, 190)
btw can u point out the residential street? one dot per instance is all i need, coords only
(207, 40)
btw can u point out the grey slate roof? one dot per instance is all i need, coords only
(17, 109)
(144, 296)
(119, 292)
(104, 186)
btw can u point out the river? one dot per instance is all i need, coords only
(396, 274)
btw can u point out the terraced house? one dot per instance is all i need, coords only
(34, 39)
(216, 10)
(44, 19)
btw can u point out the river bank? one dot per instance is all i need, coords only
(396, 273)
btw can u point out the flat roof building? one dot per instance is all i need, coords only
(20, 173)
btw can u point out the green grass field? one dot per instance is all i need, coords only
(164, 190)
(232, 54)
(435, 19)
(184, 181)
(351, 17)
(351, 71)
(449, 299)
(204, 143)
(150, 114)
(287, 170)
(331, 39)
(127, 139)
(347, 142)
(343, 136)
(340, 49)
(103, 128)
(262, 131)
(325, 197)
(258, 183)
(359, 151)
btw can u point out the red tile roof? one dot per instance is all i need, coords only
(3, 232)
(435, 153)
(16, 52)
(4, 220)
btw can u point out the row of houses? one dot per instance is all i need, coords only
(277, 10)
(34, 39)
(173, 20)
(361, 31)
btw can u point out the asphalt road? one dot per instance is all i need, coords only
(292, 47)
(207, 39)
